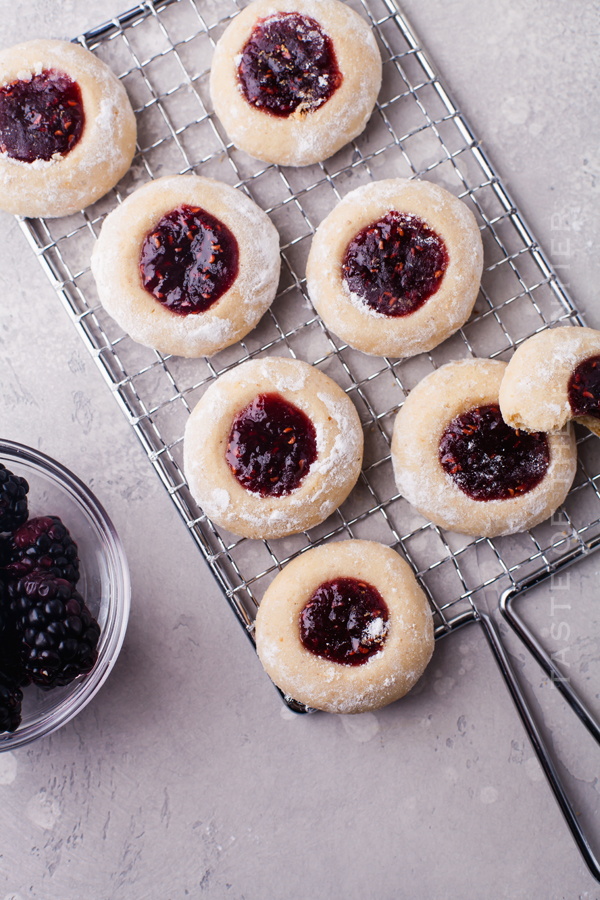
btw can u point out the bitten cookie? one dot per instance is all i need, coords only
(187, 265)
(345, 627)
(395, 268)
(292, 81)
(67, 129)
(553, 377)
(272, 448)
(463, 468)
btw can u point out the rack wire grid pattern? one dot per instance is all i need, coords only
(162, 52)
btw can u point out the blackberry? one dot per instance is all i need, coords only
(10, 659)
(43, 545)
(5, 552)
(57, 634)
(13, 500)
(3, 608)
(11, 696)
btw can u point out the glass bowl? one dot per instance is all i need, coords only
(104, 584)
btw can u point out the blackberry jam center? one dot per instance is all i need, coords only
(40, 117)
(488, 459)
(271, 446)
(584, 388)
(345, 621)
(288, 65)
(395, 264)
(189, 260)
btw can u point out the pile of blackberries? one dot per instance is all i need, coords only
(48, 636)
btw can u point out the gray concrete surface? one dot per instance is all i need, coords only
(185, 777)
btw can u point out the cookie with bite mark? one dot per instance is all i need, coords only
(554, 377)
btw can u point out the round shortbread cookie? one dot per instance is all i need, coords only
(329, 478)
(314, 130)
(69, 181)
(436, 402)
(406, 644)
(116, 263)
(534, 394)
(441, 314)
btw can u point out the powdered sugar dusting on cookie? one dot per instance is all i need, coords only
(348, 438)
(116, 267)
(103, 154)
(534, 391)
(219, 500)
(301, 138)
(329, 479)
(348, 315)
(334, 687)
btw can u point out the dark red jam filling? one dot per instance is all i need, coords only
(189, 260)
(345, 621)
(41, 117)
(584, 388)
(288, 64)
(271, 446)
(488, 459)
(395, 264)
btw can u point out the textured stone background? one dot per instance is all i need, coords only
(185, 777)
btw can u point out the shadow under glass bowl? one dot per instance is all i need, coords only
(104, 584)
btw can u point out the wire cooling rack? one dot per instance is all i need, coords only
(162, 51)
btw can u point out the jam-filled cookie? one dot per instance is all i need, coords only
(272, 448)
(345, 627)
(395, 268)
(464, 468)
(187, 265)
(292, 81)
(67, 129)
(552, 377)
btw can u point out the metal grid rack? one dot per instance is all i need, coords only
(162, 51)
